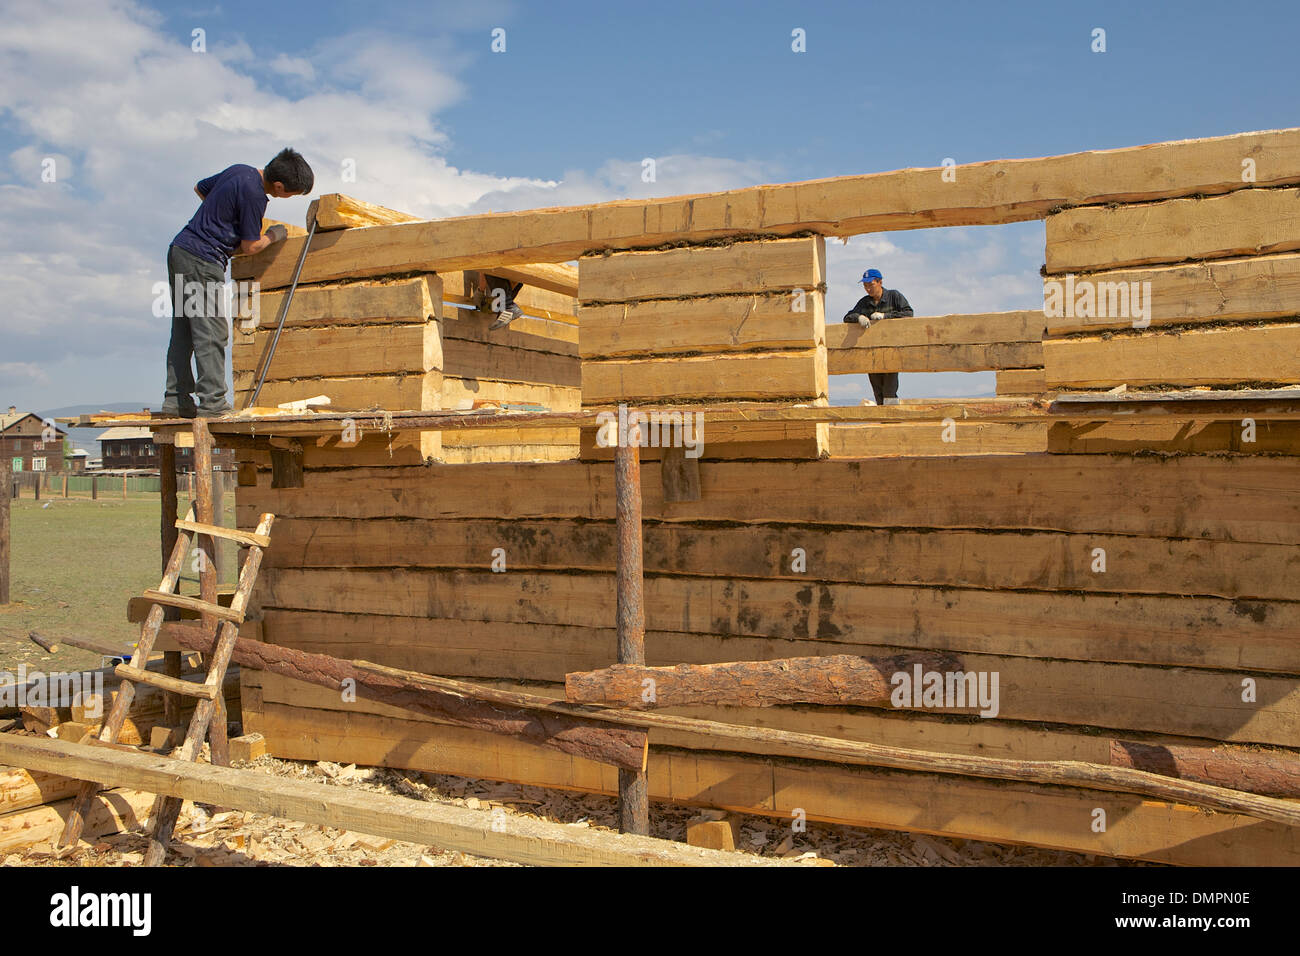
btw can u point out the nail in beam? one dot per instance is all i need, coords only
(633, 786)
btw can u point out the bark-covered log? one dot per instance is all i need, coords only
(1273, 775)
(625, 748)
(842, 679)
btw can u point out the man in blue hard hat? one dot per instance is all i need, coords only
(879, 303)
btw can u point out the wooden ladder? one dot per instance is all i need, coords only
(208, 692)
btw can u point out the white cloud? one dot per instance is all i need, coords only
(294, 66)
(135, 117)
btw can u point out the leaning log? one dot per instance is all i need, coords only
(1273, 775)
(625, 748)
(790, 743)
(842, 679)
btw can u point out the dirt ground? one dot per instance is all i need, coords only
(232, 838)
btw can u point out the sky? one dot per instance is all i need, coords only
(130, 106)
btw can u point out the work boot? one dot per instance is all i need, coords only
(891, 401)
(506, 316)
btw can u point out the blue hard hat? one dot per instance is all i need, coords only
(872, 274)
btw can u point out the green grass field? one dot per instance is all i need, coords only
(74, 565)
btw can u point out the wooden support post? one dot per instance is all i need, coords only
(66, 477)
(6, 489)
(167, 527)
(124, 487)
(633, 785)
(94, 487)
(36, 484)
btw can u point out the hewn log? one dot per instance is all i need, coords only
(842, 679)
(625, 749)
(1264, 773)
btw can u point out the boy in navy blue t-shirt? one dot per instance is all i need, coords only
(228, 222)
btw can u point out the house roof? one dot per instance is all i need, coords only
(116, 434)
(7, 421)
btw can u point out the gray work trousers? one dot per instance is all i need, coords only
(884, 385)
(199, 329)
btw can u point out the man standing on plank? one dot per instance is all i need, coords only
(228, 222)
(879, 303)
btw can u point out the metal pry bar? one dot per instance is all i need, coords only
(264, 364)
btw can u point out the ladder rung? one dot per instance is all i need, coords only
(250, 538)
(163, 682)
(220, 612)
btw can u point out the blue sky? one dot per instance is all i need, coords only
(437, 124)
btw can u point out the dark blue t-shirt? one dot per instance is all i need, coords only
(234, 202)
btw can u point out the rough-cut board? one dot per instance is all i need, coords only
(860, 359)
(525, 840)
(464, 358)
(716, 324)
(853, 616)
(111, 811)
(341, 351)
(985, 193)
(937, 439)
(763, 376)
(389, 392)
(729, 441)
(1046, 561)
(1220, 356)
(781, 265)
(1021, 381)
(525, 333)
(337, 211)
(402, 301)
(548, 652)
(981, 329)
(1242, 498)
(1186, 437)
(559, 278)
(1218, 290)
(20, 789)
(1244, 223)
(963, 807)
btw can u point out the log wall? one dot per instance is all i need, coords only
(1125, 581)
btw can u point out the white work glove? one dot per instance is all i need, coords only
(877, 315)
(277, 233)
(864, 321)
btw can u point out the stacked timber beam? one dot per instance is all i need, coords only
(375, 341)
(945, 343)
(738, 321)
(1184, 292)
(994, 560)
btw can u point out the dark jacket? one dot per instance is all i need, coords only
(891, 303)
